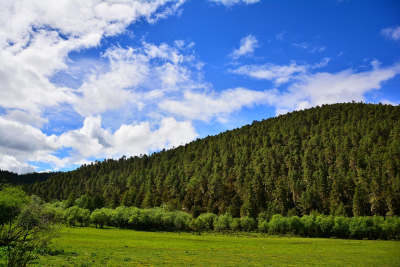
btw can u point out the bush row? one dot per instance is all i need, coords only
(376, 227)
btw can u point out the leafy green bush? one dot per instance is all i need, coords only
(341, 227)
(222, 222)
(325, 224)
(208, 219)
(277, 225)
(248, 224)
(310, 227)
(235, 224)
(295, 225)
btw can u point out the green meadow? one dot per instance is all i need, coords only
(89, 246)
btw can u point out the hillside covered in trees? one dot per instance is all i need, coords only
(24, 179)
(341, 159)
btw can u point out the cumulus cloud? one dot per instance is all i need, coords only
(36, 37)
(203, 106)
(35, 40)
(391, 33)
(134, 139)
(20, 142)
(247, 46)
(234, 2)
(135, 76)
(26, 118)
(24, 143)
(13, 165)
(155, 90)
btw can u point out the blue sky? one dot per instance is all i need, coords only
(87, 80)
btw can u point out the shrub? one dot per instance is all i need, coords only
(100, 217)
(341, 227)
(263, 226)
(222, 222)
(325, 225)
(310, 228)
(294, 225)
(71, 215)
(248, 223)
(235, 224)
(278, 224)
(208, 219)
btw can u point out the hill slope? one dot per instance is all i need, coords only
(24, 179)
(336, 159)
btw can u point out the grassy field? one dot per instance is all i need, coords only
(115, 247)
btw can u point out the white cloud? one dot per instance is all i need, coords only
(36, 37)
(327, 88)
(20, 143)
(322, 64)
(26, 118)
(279, 36)
(135, 77)
(21, 139)
(35, 40)
(392, 33)
(389, 102)
(202, 106)
(234, 2)
(278, 74)
(307, 89)
(144, 86)
(310, 48)
(134, 139)
(13, 165)
(247, 46)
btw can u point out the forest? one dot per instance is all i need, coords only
(339, 160)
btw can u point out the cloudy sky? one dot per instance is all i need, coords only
(87, 80)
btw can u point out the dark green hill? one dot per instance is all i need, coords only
(336, 159)
(25, 179)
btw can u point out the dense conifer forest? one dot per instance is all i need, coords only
(341, 159)
(25, 179)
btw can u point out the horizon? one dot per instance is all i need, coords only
(94, 80)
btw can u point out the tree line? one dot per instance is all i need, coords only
(161, 219)
(341, 160)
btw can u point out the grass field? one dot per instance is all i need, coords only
(115, 247)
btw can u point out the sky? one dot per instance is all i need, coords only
(87, 80)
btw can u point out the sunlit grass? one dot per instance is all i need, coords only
(115, 247)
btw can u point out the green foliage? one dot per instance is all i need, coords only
(223, 222)
(341, 227)
(248, 224)
(26, 226)
(325, 224)
(208, 221)
(310, 227)
(295, 225)
(161, 219)
(278, 224)
(236, 224)
(101, 217)
(341, 159)
(12, 201)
